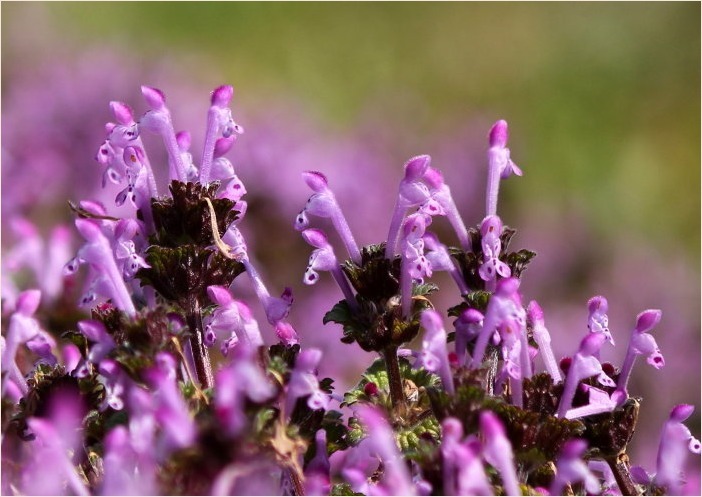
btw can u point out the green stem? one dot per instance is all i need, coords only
(397, 394)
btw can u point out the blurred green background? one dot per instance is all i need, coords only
(606, 97)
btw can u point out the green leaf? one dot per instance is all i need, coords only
(343, 489)
(377, 373)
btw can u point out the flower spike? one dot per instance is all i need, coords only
(583, 365)
(219, 120)
(158, 120)
(676, 441)
(324, 259)
(499, 164)
(640, 342)
(597, 321)
(434, 355)
(323, 204)
(535, 316)
(492, 266)
(497, 450)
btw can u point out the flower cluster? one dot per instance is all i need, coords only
(161, 381)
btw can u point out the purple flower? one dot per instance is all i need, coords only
(440, 260)
(516, 362)
(584, 365)
(463, 470)
(381, 441)
(415, 266)
(317, 477)
(242, 378)
(504, 304)
(56, 436)
(219, 121)
(170, 410)
(499, 165)
(158, 120)
(434, 355)
(441, 194)
(598, 402)
(640, 343)
(535, 316)
(324, 259)
(323, 204)
(412, 193)
(44, 258)
(676, 441)
(231, 317)
(492, 266)
(497, 450)
(107, 279)
(468, 326)
(23, 327)
(571, 469)
(123, 474)
(597, 320)
(303, 382)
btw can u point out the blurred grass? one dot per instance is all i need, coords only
(603, 99)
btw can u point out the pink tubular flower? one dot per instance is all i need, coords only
(584, 365)
(415, 266)
(570, 469)
(492, 266)
(324, 259)
(323, 204)
(597, 320)
(463, 470)
(219, 121)
(441, 194)
(171, 412)
(497, 450)
(640, 343)
(434, 355)
(317, 477)
(504, 304)
(232, 318)
(303, 382)
(43, 257)
(535, 316)
(516, 362)
(499, 164)
(440, 260)
(412, 193)
(242, 378)
(468, 326)
(676, 441)
(56, 436)
(23, 328)
(123, 474)
(107, 279)
(381, 441)
(158, 120)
